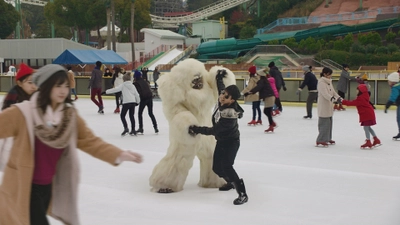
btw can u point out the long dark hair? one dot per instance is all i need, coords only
(326, 70)
(57, 78)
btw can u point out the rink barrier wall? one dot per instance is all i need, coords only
(380, 90)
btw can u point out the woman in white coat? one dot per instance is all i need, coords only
(326, 97)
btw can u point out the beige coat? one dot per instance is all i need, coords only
(71, 78)
(15, 189)
(326, 96)
(252, 83)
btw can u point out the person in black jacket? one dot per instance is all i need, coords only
(311, 82)
(279, 82)
(146, 99)
(266, 94)
(226, 131)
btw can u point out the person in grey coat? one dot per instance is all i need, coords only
(326, 96)
(342, 85)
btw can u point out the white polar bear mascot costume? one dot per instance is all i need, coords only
(188, 93)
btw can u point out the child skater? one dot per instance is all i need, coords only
(266, 93)
(19, 93)
(23, 89)
(366, 114)
(130, 99)
(226, 131)
(44, 165)
(254, 99)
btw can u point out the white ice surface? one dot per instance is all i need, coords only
(289, 181)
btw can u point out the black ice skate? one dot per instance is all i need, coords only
(125, 132)
(396, 138)
(156, 130)
(132, 133)
(226, 187)
(241, 190)
(307, 117)
(139, 131)
(101, 111)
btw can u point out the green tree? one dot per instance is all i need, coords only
(247, 31)
(390, 37)
(348, 41)
(8, 19)
(358, 48)
(142, 15)
(392, 48)
(291, 43)
(196, 4)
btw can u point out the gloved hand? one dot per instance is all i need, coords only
(221, 74)
(130, 156)
(284, 88)
(246, 94)
(339, 100)
(298, 91)
(193, 130)
(388, 104)
(135, 104)
(103, 93)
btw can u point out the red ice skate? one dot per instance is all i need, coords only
(269, 130)
(366, 145)
(252, 122)
(376, 142)
(259, 122)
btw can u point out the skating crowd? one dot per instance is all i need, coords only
(44, 121)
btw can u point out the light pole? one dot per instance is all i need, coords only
(132, 33)
(53, 33)
(361, 5)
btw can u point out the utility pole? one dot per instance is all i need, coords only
(108, 39)
(361, 5)
(114, 47)
(53, 33)
(132, 33)
(18, 28)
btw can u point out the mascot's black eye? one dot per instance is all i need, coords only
(197, 82)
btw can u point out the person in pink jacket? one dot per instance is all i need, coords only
(271, 80)
(43, 166)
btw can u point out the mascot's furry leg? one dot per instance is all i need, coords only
(171, 172)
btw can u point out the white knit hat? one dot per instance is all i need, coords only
(45, 72)
(393, 77)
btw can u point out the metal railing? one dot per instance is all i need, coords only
(270, 49)
(367, 14)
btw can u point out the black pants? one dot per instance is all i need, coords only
(131, 108)
(278, 101)
(40, 200)
(142, 105)
(224, 158)
(118, 99)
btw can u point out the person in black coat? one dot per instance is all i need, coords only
(279, 82)
(226, 131)
(311, 82)
(266, 94)
(146, 99)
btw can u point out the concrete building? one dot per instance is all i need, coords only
(154, 38)
(210, 29)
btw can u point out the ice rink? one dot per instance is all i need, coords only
(289, 181)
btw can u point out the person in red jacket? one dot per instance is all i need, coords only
(366, 114)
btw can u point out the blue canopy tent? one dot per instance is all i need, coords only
(89, 57)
